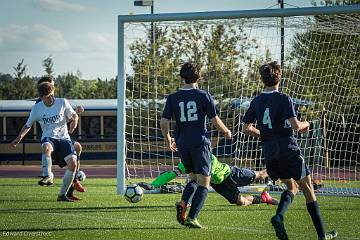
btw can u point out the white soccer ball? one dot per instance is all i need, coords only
(133, 193)
(81, 176)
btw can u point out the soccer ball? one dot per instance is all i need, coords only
(81, 176)
(133, 193)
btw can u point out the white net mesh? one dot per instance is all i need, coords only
(321, 72)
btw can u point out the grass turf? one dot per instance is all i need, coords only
(28, 211)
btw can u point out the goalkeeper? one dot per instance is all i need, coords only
(224, 179)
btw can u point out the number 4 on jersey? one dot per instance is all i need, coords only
(267, 119)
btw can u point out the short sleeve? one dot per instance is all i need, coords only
(210, 106)
(167, 113)
(249, 116)
(30, 121)
(69, 111)
(289, 109)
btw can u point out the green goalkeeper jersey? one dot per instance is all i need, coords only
(219, 171)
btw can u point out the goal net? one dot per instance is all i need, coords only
(320, 56)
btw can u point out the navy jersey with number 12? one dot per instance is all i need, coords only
(189, 108)
(271, 111)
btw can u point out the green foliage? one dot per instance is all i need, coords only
(48, 64)
(68, 85)
(326, 63)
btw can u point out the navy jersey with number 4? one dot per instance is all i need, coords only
(189, 108)
(271, 110)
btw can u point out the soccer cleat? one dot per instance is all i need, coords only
(192, 223)
(180, 212)
(73, 197)
(63, 198)
(329, 235)
(78, 187)
(266, 198)
(278, 225)
(46, 181)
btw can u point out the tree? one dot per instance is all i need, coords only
(48, 64)
(22, 86)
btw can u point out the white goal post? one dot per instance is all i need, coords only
(319, 53)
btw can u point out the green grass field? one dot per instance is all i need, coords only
(28, 211)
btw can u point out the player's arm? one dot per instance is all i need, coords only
(300, 126)
(165, 130)
(25, 129)
(290, 114)
(249, 129)
(74, 122)
(216, 121)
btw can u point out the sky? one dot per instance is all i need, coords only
(81, 35)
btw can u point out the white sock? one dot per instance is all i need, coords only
(67, 181)
(47, 165)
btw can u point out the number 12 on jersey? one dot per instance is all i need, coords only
(190, 110)
(267, 119)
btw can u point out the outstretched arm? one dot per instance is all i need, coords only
(25, 129)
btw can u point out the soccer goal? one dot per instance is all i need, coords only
(318, 48)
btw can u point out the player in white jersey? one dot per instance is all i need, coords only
(47, 175)
(52, 115)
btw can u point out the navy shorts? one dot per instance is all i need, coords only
(284, 160)
(63, 149)
(196, 159)
(229, 187)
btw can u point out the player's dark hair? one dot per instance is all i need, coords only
(45, 88)
(190, 72)
(48, 79)
(270, 73)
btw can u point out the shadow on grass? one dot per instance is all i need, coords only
(73, 209)
(127, 228)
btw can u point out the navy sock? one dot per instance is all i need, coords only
(70, 191)
(198, 201)
(285, 201)
(189, 191)
(314, 211)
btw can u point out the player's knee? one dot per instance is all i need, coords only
(78, 148)
(203, 180)
(47, 149)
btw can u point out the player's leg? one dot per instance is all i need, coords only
(306, 186)
(198, 200)
(190, 187)
(187, 194)
(67, 149)
(285, 201)
(244, 177)
(201, 159)
(47, 149)
(68, 178)
(77, 185)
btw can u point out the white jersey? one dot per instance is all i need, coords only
(52, 119)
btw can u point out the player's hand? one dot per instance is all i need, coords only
(306, 127)
(227, 134)
(15, 142)
(173, 147)
(79, 109)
